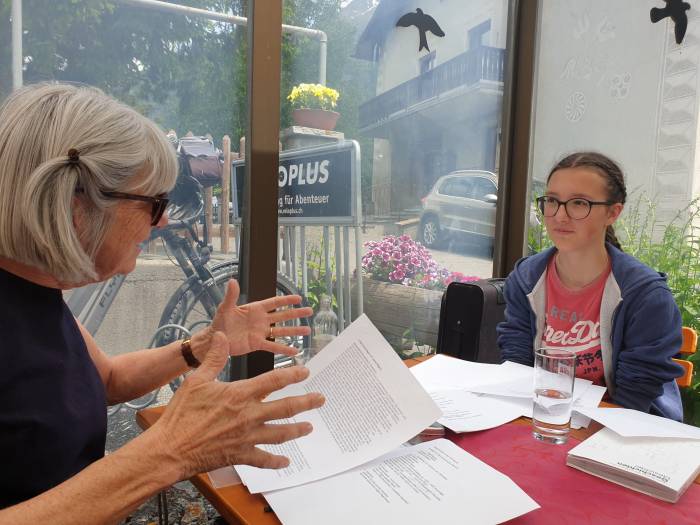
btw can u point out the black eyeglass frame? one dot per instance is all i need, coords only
(541, 201)
(159, 203)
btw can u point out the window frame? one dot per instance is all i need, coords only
(259, 272)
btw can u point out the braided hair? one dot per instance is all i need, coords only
(609, 170)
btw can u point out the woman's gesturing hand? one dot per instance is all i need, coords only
(249, 326)
(209, 424)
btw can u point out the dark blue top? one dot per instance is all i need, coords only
(53, 418)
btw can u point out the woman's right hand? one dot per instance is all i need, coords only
(210, 424)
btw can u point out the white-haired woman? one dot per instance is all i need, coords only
(83, 179)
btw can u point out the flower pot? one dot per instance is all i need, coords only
(395, 308)
(315, 118)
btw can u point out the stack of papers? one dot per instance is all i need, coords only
(353, 468)
(373, 405)
(478, 396)
(649, 454)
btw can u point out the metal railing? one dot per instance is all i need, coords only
(469, 68)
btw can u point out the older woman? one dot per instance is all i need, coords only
(83, 180)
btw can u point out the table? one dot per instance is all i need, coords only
(238, 506)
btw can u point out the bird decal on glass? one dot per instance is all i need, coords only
(423, 23)
(676, 9)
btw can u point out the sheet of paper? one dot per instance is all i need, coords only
(633, 423)
(224, 477)
(442, 372)
(432, 482)
(669, 462)
(445, 372)
(373, 405)
(522, 387)
(579, 421)
(464, 411)
(591, 397)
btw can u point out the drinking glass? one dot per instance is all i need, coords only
(555, 370)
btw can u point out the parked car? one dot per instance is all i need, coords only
(461, 203)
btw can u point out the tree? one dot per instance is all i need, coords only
(186, 73)
(163, 64)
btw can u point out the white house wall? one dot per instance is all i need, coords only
(400, 57)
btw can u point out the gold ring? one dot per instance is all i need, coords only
(269, 335)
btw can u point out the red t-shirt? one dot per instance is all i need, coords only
(572, 321)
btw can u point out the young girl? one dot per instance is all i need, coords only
(587, 296)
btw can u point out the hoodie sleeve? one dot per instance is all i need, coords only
(651, 337)
(515, 332)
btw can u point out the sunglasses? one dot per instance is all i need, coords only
(158, 203)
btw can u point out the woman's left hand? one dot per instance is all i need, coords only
(249, 326)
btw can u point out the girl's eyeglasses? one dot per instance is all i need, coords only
(576, 208)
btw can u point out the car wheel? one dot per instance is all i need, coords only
(430, 232)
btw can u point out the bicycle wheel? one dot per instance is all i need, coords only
(189, 309)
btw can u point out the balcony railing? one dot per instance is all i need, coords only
(482, 63)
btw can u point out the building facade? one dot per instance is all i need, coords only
(435, 109)
(607, 79)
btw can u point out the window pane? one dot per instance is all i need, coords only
(610, 80)
(420, 106)
(188, 74)
(483, 187)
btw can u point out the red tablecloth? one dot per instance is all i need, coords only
(566, 495)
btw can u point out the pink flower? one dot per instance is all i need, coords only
(402, 260)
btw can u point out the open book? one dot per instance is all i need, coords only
(660, 467)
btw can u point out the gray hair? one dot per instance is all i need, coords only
(39, 124)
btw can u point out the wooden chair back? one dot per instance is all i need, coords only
(688, 347)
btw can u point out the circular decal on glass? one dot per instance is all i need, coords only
(575, 106)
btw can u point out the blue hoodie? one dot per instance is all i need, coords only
(640, 330)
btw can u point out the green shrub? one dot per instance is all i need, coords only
(320, 280)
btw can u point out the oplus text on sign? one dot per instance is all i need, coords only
(315, 183)
(304, 173)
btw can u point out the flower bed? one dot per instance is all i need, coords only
(401, 260)
(403, 288)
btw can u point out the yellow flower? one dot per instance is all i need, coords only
(313, 96)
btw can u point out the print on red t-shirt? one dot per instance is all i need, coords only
(572, 321)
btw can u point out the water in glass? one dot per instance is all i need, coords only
(555, 370)
(551, 415)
